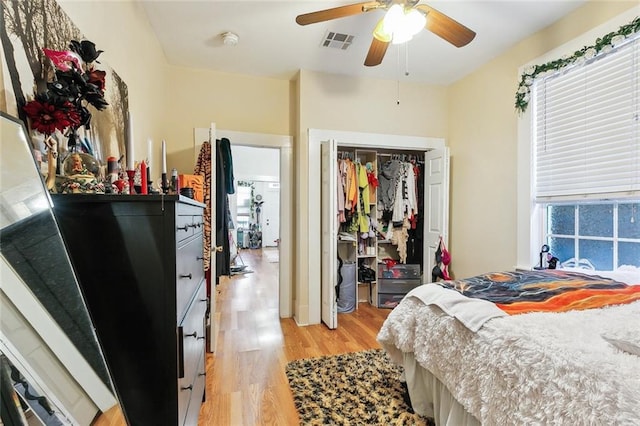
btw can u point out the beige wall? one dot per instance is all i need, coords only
(197, 98)
(483, 141)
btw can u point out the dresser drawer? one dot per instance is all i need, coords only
(398, 271)
(185, 227)
(189, 273)
(389, 301)
(195, 395)
(191, 342)
(397, 286)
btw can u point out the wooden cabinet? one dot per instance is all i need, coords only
(139, 263)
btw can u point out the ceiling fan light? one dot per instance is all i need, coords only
(414, 21)
(393, 19)
(380, 33)
(401, 36)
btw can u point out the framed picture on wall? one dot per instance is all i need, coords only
(29, 29)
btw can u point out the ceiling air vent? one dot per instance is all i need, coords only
(337, 40)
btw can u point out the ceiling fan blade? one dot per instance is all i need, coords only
(376, 52)
(336, 12)
(446, 28)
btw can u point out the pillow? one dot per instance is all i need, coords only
(625, 340)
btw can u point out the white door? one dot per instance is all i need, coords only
(271, 214)
(436, 195)
(212, 232)
(329, 229)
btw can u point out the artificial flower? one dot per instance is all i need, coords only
(63, 106)
(63, 60)
(48, 115)
(86, 49)
(617, 40)
(97, 78)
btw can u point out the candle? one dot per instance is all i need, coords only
(149, 155)
(129, 140)
(143, 177)
(149, 152)
(164, 157)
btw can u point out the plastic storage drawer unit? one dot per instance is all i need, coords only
(398, 272)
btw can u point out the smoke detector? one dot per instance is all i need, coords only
(229, 38)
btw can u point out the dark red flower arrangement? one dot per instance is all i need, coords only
(63, 106)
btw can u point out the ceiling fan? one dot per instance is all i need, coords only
(403, 19)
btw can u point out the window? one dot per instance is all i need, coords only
(601, 235)
(586, 149)
(243, 215)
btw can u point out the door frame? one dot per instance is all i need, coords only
(285, 144)
(347, 139)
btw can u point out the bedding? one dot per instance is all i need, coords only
(545, 290)
(525, 368)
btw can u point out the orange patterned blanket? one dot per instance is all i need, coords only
(545, 291)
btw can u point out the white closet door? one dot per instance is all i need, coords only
(329, 211)
(436, 209)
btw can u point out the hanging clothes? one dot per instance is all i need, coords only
(203, 168)
(340, 193)
(225, 145)
(363, 199)
(351, 185)
(405, 204)
(415, 243)
(224, 171)
(387, 178)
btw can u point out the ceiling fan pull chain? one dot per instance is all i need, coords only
(406, 59)
(398, 76)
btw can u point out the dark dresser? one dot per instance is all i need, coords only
(140, 266)
(395, 282)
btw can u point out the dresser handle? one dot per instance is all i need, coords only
(186, 276)
(183, 228)
(190, 387)
(180, 352)
(199, 258)
(204, 300)
(202, 374)
(194, 334)
(200, 338)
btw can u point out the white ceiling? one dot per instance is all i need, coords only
(271, 44)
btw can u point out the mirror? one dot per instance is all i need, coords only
(46, 334)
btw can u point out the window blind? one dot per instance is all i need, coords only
(587, 129)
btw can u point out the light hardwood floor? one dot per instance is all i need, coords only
(246, 381)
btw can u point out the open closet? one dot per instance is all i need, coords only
(383, 210)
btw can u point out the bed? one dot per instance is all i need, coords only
(527, 347)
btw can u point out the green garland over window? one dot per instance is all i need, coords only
(602, 45)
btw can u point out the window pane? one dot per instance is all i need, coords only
(562, 248)
(596, 220)
(629, 220)
(629, 254)
(599, 253)
(562, 220)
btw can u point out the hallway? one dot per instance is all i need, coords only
(246, 381)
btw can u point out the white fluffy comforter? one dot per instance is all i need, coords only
(530, 369)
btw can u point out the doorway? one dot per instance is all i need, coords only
(255, 206)
(283, 145)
